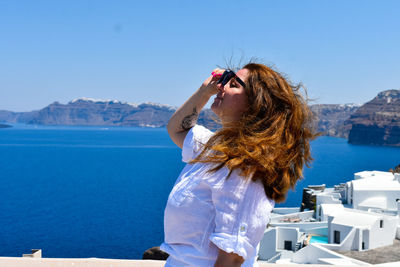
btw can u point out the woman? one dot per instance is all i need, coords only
(219, 207)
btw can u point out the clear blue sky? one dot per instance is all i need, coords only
(160, 51)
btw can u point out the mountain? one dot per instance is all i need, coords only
(377, 122)
(94, 112)
(16, 117)
(331, 118)
(4, 126)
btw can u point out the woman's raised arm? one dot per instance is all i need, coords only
(185, 117)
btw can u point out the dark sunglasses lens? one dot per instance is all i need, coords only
(226, 76)
(222, 78)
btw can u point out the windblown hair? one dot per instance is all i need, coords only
(271, 141)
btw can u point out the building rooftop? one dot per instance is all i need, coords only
(377, 183)
(356, 217)
(368, 174)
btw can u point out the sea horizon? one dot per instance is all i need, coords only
(79, 191)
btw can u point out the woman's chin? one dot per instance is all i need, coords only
(215, 107)
(217, 103)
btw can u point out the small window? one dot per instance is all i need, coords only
(381, 224)
(336, 237)
(288, 245)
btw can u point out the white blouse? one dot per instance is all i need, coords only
(205, 211)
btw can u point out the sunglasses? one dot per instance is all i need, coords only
(227, 76)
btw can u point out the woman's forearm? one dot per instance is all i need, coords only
(185, 117)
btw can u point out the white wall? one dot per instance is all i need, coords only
(311, 253)
(398, 215)
(273, 241)
(302, 215)
(379, 237)
(373, 235)
(365, 239)
(361, 195)
(349, 190)
(346, 244)
(397, 177)
(328, 198)
(343, 229)
(287, 234)
(327, 210)
(268, 244)
(285, 210)
(332, 198)
(398, 209)
(303, 227)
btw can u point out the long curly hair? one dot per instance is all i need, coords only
(271, 141)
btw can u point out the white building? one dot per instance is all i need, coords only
(326, 210)
(278, 241)
(354, 229)
(374, 190)
(359, 215)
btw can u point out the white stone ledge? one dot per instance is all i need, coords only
(86, 262)
(96, 262)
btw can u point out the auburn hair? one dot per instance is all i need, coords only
(271, 140)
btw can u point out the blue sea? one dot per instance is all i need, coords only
(101, 192)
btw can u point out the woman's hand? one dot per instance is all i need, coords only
(228, 259)
(210, 84)
(185, 117)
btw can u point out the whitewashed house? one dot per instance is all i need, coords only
(361, 230)
(278, 241)
(359, 215)
(326, 210)
(374, 190)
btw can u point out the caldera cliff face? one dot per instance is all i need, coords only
(378, 121)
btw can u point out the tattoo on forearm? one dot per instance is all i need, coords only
(190, 120)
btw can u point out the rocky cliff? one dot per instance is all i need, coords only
(378, 121)
(91, 112)
(331, 118)
(103, 113)
(15, 117)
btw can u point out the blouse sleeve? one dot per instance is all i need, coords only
(242, 214)
(194, 141)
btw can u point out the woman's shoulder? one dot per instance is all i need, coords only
(195, 139)
(200, 131)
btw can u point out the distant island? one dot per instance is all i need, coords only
(376, 122)
(5, 126)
